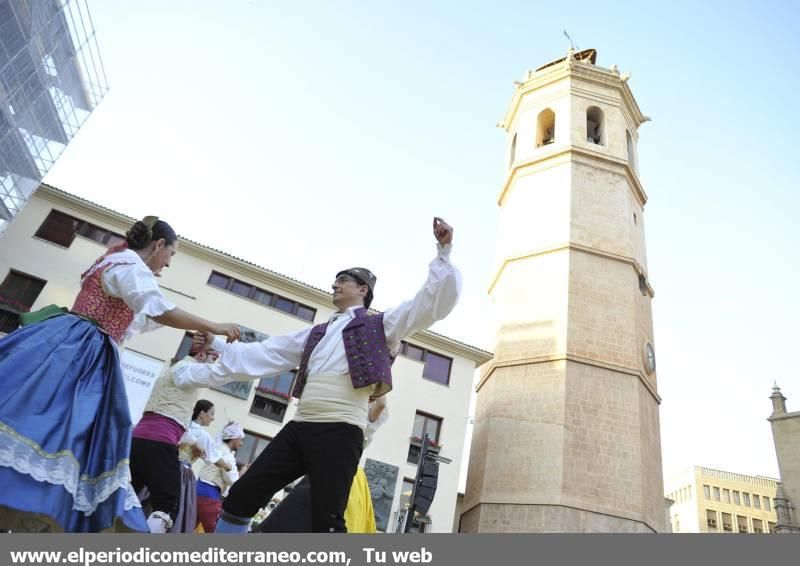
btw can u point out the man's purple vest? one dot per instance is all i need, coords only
(365, 347)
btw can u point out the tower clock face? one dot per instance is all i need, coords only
(649, 358)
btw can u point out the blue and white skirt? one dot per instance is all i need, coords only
(65, 431)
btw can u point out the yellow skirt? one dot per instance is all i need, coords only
(359, 514)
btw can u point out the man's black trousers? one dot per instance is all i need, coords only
(327, 452)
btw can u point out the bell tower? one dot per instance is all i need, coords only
(566, 435)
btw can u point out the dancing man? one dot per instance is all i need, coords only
(342, 363)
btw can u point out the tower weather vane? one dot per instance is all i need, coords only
(570, 41)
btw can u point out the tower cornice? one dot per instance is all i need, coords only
(559, 155)
(488, 370)
(637, 267)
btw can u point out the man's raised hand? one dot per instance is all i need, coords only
(442, 231)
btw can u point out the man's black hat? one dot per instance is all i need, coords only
(362, 275)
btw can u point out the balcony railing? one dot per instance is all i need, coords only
(415, 449)
(271, 409)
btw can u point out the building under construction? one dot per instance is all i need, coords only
(51, 78)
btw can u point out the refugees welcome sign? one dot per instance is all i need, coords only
(140, 372)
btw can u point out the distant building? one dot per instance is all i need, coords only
(714, 501)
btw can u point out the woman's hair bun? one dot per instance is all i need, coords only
(148, 229)
(139, 235)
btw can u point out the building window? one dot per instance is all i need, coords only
(261, 296)
(239, 389)
(767, 505)
(513, 155)
(280, 385)
(272, 396)
(771, 527)
(411, 351)
(746, 497)
(99, 235)
(405, 494)
(421, 523)
(183, 348)
(241, 289)
(631, 151)
(272, 393)
(269, 408)
(741, 524)
(727, 525)
(423, 423)
(736, 499)
(756, 501)
(758, 526)
(253, 445)
(218, 280)
(248, 291)
(437, 367)
(707, 491)
(726, 495)
(711, 520)
(595, 126)
(545, 128)
(9, 321)
(19, 291)
(60, 229)
(306, 313)
(285, 305)
(414, 452)
(716, 494)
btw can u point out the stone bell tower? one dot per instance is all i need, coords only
(566, 434)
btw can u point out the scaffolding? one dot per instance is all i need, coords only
(51, 78)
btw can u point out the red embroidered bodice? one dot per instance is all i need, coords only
(112, 313)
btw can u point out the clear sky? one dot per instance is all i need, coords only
(308, 136)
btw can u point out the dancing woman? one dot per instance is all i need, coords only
(65, 426)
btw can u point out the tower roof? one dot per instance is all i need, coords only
(586, 54)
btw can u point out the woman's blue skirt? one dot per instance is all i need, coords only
(65, 431)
